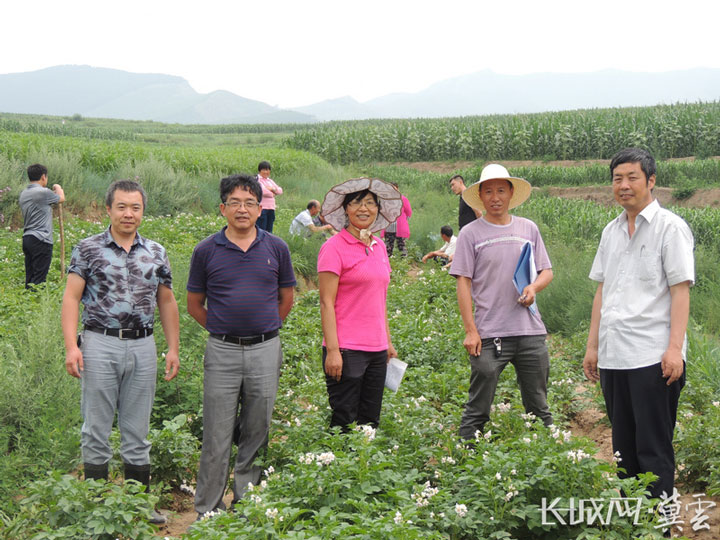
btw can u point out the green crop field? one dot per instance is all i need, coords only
(667, 131)
(409, 479)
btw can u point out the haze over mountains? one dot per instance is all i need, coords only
(111, 93)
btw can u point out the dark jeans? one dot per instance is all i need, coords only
(390, 239)
(266, 220)
(642, 409)
(38, 255)
(530, 357)
(357, 396)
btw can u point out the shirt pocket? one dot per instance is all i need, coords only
(649, 266)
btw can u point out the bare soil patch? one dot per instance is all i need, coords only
(702, 198)
(455, 166)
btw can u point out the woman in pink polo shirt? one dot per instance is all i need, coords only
(269, 190)
(353, 274)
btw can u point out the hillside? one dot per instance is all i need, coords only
(112, 93)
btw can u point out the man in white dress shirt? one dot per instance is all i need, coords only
(644, 267)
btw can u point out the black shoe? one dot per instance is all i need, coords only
(95, 472)
(141, 473)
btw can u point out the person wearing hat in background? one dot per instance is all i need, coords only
(503, 328)
(353, 275)
(269, 190)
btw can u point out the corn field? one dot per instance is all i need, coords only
(668, 131)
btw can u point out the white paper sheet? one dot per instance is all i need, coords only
(395, 371)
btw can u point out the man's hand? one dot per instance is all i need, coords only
(333, 364)
(472, 343)
(590, 365)
(172, 365)
(74, 362)
(528, 296)
(672, 365)
(59, 192)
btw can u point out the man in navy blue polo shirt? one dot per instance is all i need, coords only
(240, 289)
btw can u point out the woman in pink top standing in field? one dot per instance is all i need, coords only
(269, 190)
(353, 274)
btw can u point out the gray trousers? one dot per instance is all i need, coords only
(530, 357)
(118, 375)
(235, 375)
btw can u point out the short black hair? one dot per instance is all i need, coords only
(457, 176)
(128, 186)
(446, 230)
(264, 165)
(244, 181)
(359, 196)
(312, 204)
(634, 155)
(36, 171)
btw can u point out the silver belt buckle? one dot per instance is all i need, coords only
(121, 334)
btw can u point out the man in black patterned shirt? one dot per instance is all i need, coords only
(120, 277)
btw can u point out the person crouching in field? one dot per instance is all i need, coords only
(636, 347)
(447, 250)
(120, 277)
(505, 328)
(353, 276)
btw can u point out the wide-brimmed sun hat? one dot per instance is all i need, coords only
(388, 195)
(521, 187)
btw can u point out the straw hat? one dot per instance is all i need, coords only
(521, 187)
(387, 194)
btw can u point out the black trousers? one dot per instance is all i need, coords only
(390, 239)
(642, 409)
(38, 255)
(357, 396)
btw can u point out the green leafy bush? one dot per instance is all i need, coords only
(63, 507)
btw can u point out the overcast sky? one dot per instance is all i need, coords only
(291, 53)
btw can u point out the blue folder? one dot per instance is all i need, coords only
(525, 272)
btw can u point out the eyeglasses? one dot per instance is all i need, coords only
(234, 205)
(357, 204)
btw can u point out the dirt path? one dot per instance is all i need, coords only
(590, 423)
(182, 516)
(702, 198)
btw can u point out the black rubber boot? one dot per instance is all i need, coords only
(141, 473)
(95, 472)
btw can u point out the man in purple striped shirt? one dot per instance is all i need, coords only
(240, 289)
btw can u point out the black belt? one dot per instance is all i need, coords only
(249, 340)
(122, 333)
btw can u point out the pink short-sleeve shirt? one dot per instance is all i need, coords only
(360, 304)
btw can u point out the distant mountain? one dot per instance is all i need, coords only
(486, 92)
(111, 93)
(344, 108)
